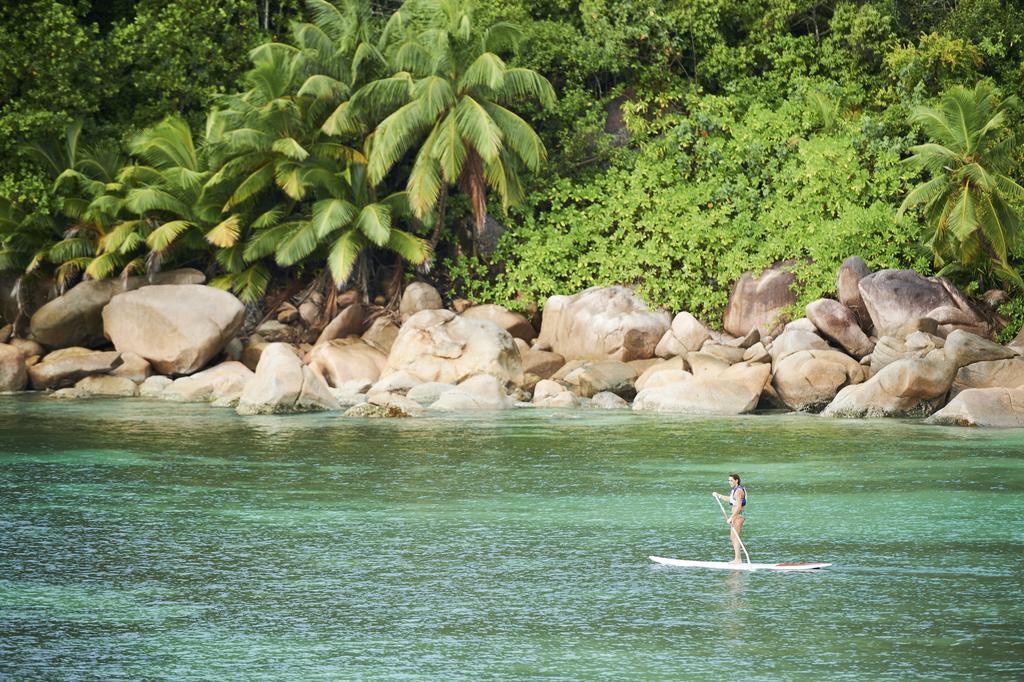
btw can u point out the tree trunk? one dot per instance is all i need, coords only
(472, 182)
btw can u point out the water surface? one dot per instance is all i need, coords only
(151, 540)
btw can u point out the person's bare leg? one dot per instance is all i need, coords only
(738, 528)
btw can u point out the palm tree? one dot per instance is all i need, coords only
(305, 192)
(968, 202)
(448, 99)
(173, 215)
(86, 191)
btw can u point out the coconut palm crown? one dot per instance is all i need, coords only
(449, 101)
(969, 201)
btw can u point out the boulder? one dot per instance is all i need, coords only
(686, 334)
(275, 332)
(601, 323)
(348, 322)
(341, 360)
(287, 313)
(28, 347)
(1017, 345)
(13, 373)
(759, 302)
(154, 386)
(542, 363)
(892, 297)
(75, 319)
(666, 377)
(64, 368)
(608, 401)
(889, 349)
(396, 401)
(725, 353)
(514, 323)
(808, 380)
(698, 396)
(417, 297)
(794, 341)
(606, 377)
(226, 380)
(253, 349)
(676, 363)
(911, 387)
(133, 367)
(757, 353)
(309, 313)
(706, 365)
(754, 377)
(983, 407)
(178, 328)
(565, 399)
(389, 411)
(283, 384)
(428, 393)
(382, 334)
(347, 399)
(106, 386)
(481, 392)
(964, 348)
(438, 345)
(850, 273)
(1008, 373)
(837, 322)
(547, 388)
(801, 324)
(399, 382)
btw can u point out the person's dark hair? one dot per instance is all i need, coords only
(736, 476)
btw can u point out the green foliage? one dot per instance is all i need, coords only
(969, 200)
(725, 192)
(1013, 311)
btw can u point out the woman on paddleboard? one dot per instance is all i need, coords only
(738, 500)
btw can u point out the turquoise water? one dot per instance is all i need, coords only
(148, 540)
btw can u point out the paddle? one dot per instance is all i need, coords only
(733, 530)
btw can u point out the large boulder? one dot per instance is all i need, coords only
(983, 407)
(514, 323)
(283, 384)
(540, 364)
(1017, 345)
(438, 345)
(677, 363)
(698, 396)
(1008, 373)
(850, 273)
(75, 319)
(892, 297)
(808, 380)
(178, 328)
(912, 387)
(342, 360)
(837, 322)
(382, 334)
(686, 335)
(759, 302)
(602, 323)
(224, 381)
(65, 367)
(13, 373)
(419, 296)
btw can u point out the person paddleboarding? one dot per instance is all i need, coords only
(738, 500)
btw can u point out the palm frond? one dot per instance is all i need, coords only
(332, 214)
(478, 129)
(165, 235)
(225, 234)
(374, 221)
(343, 255)
(411, 248)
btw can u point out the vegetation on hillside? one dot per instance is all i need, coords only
(667, 144)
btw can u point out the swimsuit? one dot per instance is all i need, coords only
(732, 497)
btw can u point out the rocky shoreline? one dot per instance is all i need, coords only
(892, 344)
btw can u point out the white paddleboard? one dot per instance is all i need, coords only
(806, 566)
